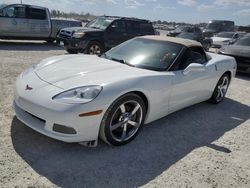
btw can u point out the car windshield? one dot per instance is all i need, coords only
(245, 41)
(225, 34)
(145, 53)
(99, 23)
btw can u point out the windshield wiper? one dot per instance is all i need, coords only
(122, 61)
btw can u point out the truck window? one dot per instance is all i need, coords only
(146, 28)
(36, 13)
(133, 27)
(15, 11)
(119, 26)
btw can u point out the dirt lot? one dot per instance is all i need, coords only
(201, 146)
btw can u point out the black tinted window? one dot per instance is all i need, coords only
(35, 13)
(192, 55)
(133, 27)
(118, 26)
(147, 28)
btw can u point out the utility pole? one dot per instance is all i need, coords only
(21, 1)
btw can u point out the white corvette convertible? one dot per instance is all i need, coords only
(78, 98)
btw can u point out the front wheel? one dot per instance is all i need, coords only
(94, 48)
(123, 120)
(220, 89)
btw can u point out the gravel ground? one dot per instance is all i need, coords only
(201, 146)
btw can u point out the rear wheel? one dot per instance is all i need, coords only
(220, 89)
(123, 120)
(94, 48)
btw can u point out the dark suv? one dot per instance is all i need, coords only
(103, 33)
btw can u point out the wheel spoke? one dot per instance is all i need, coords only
(133, 123)
(218, 95)
(116, 126)
(135, 109)
(221, 93)
(122, 107)
(124, 132)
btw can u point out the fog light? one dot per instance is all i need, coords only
(63, 129)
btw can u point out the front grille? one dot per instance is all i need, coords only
(65, 34)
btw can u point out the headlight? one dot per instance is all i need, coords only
(78, 95)
(78, 34)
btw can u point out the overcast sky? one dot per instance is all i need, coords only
(192, 11)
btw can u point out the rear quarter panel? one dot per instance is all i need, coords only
(223, 64)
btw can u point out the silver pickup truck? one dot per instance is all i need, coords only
(28, 22)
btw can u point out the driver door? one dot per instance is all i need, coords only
(194, 86)
(116, 33)
(13, 21)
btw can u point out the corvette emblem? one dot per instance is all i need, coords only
(28, 87)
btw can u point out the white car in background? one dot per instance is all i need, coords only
(225, 38)
(78, 98)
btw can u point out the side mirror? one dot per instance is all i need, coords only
(231, 42)
(113, 28)
(194, 67)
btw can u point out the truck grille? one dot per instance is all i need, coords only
(65, 34)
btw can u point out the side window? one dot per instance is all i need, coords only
(118, 26)
(192, 55)
(36, 13)
(133, 27)
(146, 28)
(14, 12)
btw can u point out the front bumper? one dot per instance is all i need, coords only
(73, 43)
(36, 109)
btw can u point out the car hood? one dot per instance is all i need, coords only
(236, 50)
(78, 70)
(82, 29)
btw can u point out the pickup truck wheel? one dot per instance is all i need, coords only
(50, 40)
(94, 48)
(72, 51)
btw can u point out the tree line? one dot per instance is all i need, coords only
(79, 16)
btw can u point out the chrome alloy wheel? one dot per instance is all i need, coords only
(222, 88)
(95, 49)
(126, 121)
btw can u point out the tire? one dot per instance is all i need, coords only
(220, 89)
(123, 120)
(94, 48)
(72, 51)
(50, 41)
